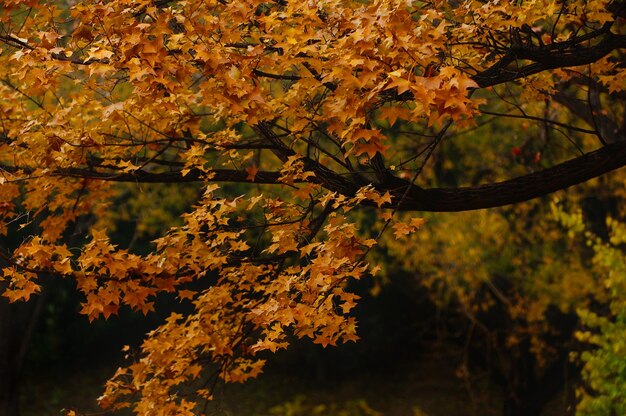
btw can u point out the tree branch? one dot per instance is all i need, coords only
(520, 189)
(557, 55)
(523, 188)
(141, 176)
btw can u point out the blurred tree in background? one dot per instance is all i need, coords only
(240, 169)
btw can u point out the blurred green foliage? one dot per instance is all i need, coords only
(604, 372)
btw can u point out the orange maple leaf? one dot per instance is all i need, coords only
(252, 171)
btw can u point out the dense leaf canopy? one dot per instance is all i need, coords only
(314, 108)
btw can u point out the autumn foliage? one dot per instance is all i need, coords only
(316, 108)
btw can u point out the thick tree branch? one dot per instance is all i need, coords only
(523, 188)
(519, 189)
(140, 176)
(557, 55)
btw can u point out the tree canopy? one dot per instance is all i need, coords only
(308, 110)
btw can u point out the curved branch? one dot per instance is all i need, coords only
(520, 189)
(523, 188)
(557, 55)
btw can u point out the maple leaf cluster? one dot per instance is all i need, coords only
(299, 100)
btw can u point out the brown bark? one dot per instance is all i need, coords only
(556, 55)
(523, 188)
